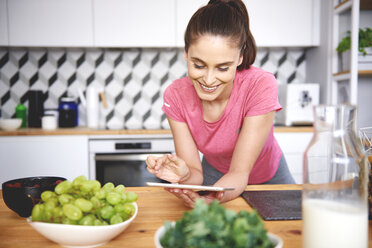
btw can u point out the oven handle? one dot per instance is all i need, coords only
(120, 157)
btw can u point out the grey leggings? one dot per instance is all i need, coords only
(282, 175)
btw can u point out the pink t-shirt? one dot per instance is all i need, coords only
(255, 92)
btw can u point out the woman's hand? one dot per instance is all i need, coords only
(168, 167)
(188, 196)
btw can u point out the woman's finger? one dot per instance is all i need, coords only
(150, 161)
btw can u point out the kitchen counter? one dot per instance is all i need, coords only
(155, 206)
(88, 131)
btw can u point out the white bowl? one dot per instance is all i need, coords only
(81, 236)
(10, 124)
(276, 240)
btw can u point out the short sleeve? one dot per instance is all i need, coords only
(262, 98)
(171, 107)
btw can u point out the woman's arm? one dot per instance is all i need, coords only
(186, 150)
(252, 138)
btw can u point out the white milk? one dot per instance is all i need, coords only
(330, 224)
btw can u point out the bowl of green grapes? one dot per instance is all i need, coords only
(84, 213)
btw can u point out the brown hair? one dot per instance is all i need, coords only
(227, 18)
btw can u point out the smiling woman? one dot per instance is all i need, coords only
(224, 109)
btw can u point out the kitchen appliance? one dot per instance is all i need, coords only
(67, 112)
(297, 101)
(121, 159)
(35, 107)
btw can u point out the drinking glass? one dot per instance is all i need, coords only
(334, 196)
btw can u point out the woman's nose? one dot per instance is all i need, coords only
(209, 77)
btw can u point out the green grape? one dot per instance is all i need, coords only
(131, 196)
(96, 202)
(115, 219)
(113, 198)
(63, 187)
(107, 212)
(83, 204)
(87, 220)
(119, 208)
(72, 212)
(49, 205)
(108, 187)
(47, 195)
(48, 215)
(65, 198)
(100, 194)
(77, 181)
(120, 188)
(129, 208)
(97, 222)
(37, 213)
(90, 186)
(66, 220)
(57, 215)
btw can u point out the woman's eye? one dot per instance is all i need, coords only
(223, 68)
(198, 66)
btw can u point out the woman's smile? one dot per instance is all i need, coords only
(209, 89)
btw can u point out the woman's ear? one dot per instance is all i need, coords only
(240, 60)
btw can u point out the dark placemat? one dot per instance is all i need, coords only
(275, 204)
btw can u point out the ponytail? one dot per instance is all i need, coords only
(228, 18)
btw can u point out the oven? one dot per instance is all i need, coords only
(121, 159)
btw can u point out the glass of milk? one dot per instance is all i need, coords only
(334, 196)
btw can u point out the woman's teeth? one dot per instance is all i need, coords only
(208, 88)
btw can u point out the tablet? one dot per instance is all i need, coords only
(187, 186)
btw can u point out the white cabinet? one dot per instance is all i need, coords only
(184, 11)
(50, 23)
(4, 41)
(293, 146)
(284, 23)
(128, 23)
(25, 156)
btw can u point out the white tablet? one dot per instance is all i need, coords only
(188, 186)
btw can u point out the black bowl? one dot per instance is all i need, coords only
(20, 195)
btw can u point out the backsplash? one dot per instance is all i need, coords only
(133, 79)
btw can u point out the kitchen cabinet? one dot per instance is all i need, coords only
(128, 23)
(184, 11)
(293, 146)
(25, 156)
(50, 23)
(284, 23)
(4, 41)
(291, 23)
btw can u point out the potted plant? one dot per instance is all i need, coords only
(364, 48)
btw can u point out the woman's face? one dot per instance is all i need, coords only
(212, 62)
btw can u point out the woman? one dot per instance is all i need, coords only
(225, 109)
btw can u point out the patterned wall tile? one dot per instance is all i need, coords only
(133, 80)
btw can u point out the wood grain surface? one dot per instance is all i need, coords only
(88, 131)
(155, 206)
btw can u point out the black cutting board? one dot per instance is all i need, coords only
(275, 204)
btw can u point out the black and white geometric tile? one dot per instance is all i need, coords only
(133, 80)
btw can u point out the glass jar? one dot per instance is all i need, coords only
(67, 112)
(335, 173)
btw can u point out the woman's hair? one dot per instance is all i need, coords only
(227, 18)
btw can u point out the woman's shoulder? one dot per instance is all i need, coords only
(180, 88)
(254, 73)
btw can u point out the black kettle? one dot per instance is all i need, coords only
(35, 108)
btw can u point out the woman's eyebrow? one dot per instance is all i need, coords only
(221, 64)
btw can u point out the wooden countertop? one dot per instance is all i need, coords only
(88, 131)
(155, 206)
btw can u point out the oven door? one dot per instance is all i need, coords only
(127, 169)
